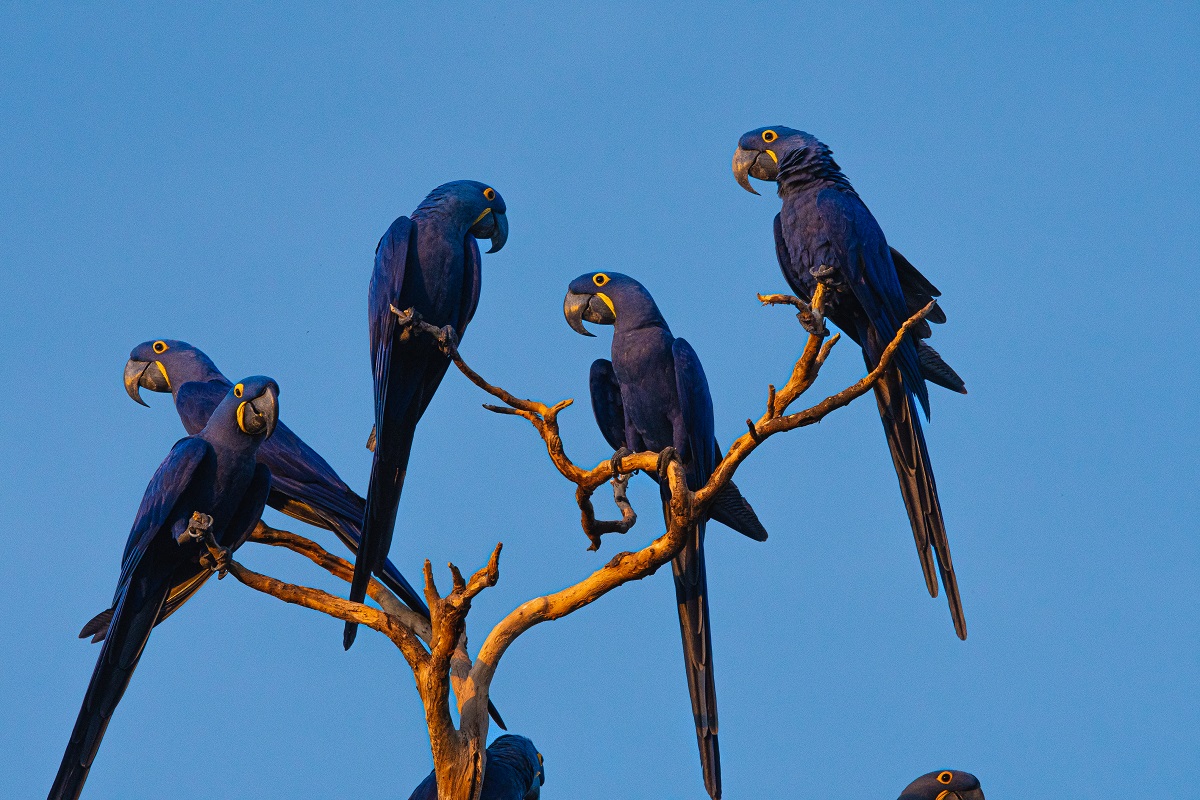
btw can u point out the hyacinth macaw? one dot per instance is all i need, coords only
(210, 481)
(429, 263)
(514, 771)
(944, 785)
(825, 234)
(303, 485)
(653, 395)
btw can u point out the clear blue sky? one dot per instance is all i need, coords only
(222, 177)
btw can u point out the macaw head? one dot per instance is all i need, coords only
(164, 365)
(252, 404)
(944, 785)
(480, 207)
(523, 760)
(604, 298)
(760, 151)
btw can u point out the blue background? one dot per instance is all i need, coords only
(222, 177)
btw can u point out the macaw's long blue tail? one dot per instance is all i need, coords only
(901, 423)
(691, 593)
(135, 617)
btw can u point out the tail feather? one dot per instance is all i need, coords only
(119, 655)
(691, 594)
(935, 369)
(910, 457)
(383, 495)
(730, 508)
(97, 627)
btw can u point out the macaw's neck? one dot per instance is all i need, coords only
(443, 212)
(222, 430)
(199, 370)
(636, 312)
(807, 166)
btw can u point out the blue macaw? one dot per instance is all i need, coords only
(825, 234)
(514, 771)
(209, 484)
(303, 484)
(944, 785)
(652, 396)
(429, 263)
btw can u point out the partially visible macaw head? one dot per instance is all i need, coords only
(478, 204)
(760, 151)
(605, 297)
(523, 761)
(253, 404)
(944, 785)
(163, 365)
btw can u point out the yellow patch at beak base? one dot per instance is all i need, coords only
(241, 416)
(163, 370)
(486, 211)
(771, 153)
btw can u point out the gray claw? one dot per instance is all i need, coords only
(668, 455)
(615, 461)
(198, 525)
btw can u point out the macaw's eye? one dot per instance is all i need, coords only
(489, 194)
(237, 390)
(160, 347)
(600, 279)
(945, 777)
(770, 136)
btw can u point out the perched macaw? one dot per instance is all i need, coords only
(429, 263)
(653, 395)
(303, 485)
(944, 785)
(825, 234)
(210, 482)
(514, 771)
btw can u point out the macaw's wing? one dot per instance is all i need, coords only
(853, 240)
(195, 401)
(170, 481)
(918, 291)
(97, 626)
(697, 446)
(606, 403)
(732, 510)
(304, 486)
(145, 583)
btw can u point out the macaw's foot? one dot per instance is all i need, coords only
(615, 461)
(813, 322)
(407, 322)
(668, 455)
(447, 340)
(198, 526)
(216, 558)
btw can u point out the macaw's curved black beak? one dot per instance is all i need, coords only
(258, 417)
(947, 794)
(578, 307)
(148, 374)
(755, 164)
(491, 225)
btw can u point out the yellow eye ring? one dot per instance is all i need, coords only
(160, 347)
(237, 390)
(489, 194)
(769, 136)
(600, 279)
(945, 777)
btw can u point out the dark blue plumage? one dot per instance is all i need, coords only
(825, 233)
(430, 263)
(651, 396)
(213, 472)
(945, 784)
(514, 771)
(303, 484)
